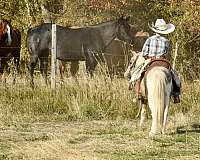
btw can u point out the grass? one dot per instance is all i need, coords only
(91, 119)
(95, 140)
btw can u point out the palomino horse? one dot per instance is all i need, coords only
(156, 86)
(10, 42)
(81, 44)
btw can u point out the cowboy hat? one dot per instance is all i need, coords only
(161, 27)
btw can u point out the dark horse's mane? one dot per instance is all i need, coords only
(43, 25)
(46, 25)
(6, 21)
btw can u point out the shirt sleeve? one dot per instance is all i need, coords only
(145, 49)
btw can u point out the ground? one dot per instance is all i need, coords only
(97, 140)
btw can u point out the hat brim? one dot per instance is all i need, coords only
(170, 28)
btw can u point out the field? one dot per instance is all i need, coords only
(91, 119)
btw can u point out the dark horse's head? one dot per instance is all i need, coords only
(124, 30)
(5, 32)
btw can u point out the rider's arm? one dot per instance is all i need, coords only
(145, 49)
(169, 50)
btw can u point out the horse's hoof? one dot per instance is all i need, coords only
(152, 134)
(163, 132)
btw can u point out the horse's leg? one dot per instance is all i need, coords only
(90, 68)
(165, 119)
(16, 52)
(74, 68)
(17, 60)
(43, 68)
(16, 69)
(167, 102)
(91, 64)
(61, 69)
(142, 115)
(31, 66)
(2, 66)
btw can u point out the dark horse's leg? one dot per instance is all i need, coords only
(31, 66)
(16, 63)
(74, 68)
(44, 67)
(91, 63)
(16, 53)
(3, 65)
(61, 68)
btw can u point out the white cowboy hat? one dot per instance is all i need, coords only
(161, 27)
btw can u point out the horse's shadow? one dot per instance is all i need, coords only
(194, 128)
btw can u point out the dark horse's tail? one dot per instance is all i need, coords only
(28, 40)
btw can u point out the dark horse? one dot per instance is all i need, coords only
(81, 44)
(116, 55)
(10, 42)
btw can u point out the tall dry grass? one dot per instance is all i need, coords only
(76, 99)
(80, 99)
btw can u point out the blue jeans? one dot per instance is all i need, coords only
(176, 82)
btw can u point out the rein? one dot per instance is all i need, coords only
(131, 65)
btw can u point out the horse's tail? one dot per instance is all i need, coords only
(156, 86)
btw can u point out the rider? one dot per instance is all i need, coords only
(157, 47)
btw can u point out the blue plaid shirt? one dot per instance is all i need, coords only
(156, 46)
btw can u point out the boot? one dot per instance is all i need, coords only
(130, 87)
(137, 90)
(176, 99)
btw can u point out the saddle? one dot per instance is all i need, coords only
(155, 63)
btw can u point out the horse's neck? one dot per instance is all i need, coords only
(108, 32)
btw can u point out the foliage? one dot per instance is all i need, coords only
(183, 13)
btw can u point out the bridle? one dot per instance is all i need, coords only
(127, 30)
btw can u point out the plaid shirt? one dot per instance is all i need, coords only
(156, 46)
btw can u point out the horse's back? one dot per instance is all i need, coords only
(159, 72)
(75, 44)
(71, 42)
(157, 76)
